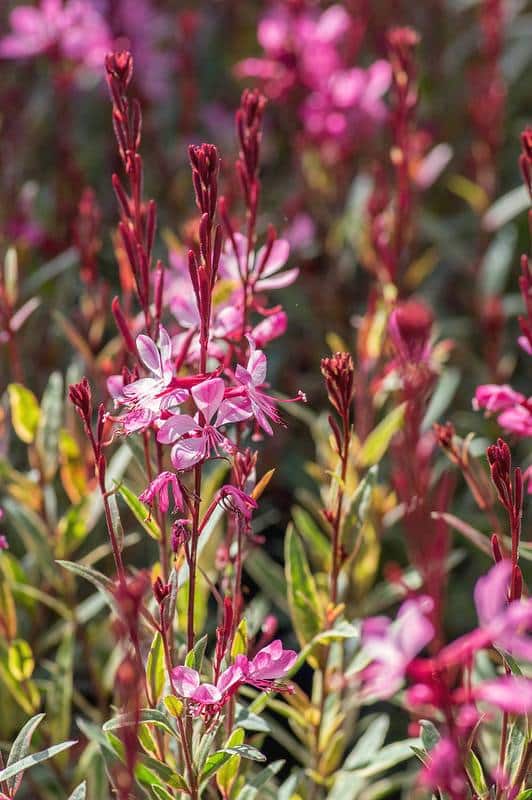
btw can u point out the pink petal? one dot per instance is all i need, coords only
(185, 680)
(509, 693)
(491, 592)
(188, 452)
(174, 427)
(279, 281)
(234, 409)
(277, 258)
(149, 354)
(208, 395)
(207, 694)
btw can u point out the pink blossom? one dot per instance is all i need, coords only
(160, 488)
(513, 408)
(271, 327)
(505, 623)
(75, 29)
(247, 399)
(392, 646)
(509, 693)
(236, 500)
(148, 397)
(444, 770)
(269, 665)
(196, 437)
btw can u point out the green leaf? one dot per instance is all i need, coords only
(517, 742)
(34, 534)
(318, 544)
(30, 761)
(80, 792)
(526, 795)
(380, 437)
(140, 512)
(20, 748)
(246, 751)
(155, 673)
(213, 763)
(430, 736)
(249, 721)
(388, 757)
(251, 790)
(147, 716)
(161, 793)
(194, 658)
(369, 743)
(227, 773)
(47, 436)
(25, 412)
(476, 774)
(302, 592)
(358, 509)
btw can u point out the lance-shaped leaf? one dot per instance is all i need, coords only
(20, 749)
(140, 512)
(302, 592)
(47, 437)
(378, 440)
(36, 758)
(147, 715)
(80, 792)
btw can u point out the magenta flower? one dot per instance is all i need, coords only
(75, 30)
(513, 408)
(148, 397)
(160, 488)
(196, 437)
(444, 770)
(247, 399)
(392, 646)
(509, 693)
(269, 665)
(236, 500)
(505, 623)
(271, 327)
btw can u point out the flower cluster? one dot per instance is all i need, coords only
(264, 672)
(73, 30)
(308, 53)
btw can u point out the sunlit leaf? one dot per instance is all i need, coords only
(25, 412)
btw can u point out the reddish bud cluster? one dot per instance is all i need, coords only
(510, 493)
(205, 164)
(249, 130)
(339, 372)
(410, 329)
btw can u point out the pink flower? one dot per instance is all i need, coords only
(236, 500)
(271, 327)
(247, 399)
(269, 665)
(392, 646)
(505, 623)
(76, 29)
(444, 770)
(515, 409)
(148, 397)
(509, 693)
(494, 398)
(160, 488)
(195, 439)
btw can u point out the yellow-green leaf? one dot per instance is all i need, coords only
(25, 412)
(380, 437)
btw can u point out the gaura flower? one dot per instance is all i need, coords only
(444, 770)
(392, 646)
(513, 408)
(196, 437)
(247, 399)
(160, 488)
(264, 671)
(75, 30)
